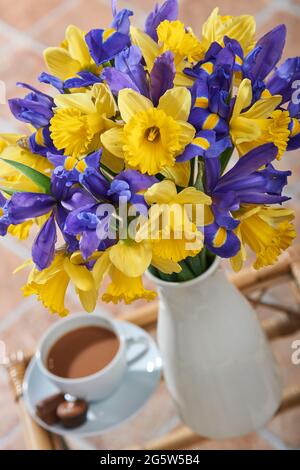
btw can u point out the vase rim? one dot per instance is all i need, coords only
(198, 279)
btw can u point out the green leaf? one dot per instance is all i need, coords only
(225, 157)
(42, 181)
(9, 191)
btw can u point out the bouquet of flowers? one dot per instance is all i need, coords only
(128, 164)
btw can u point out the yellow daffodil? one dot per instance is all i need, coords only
(242, 28)
(261, 123)
(267, 231)
(81, 118)
(22, 231)
(151, 138)
(170, 226)
(50, 285)
(125, 263)
(126, 289)
(174, 37)
(12, 178)
(71, 57)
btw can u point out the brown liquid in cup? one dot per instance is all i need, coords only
(82, 352)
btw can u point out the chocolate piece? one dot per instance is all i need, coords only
(72, 413)
(46, 409)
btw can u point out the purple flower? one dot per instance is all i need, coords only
(84, 79)
(245, 183)
(4, 222)
(119, 189)
(121, 21)
(95, 183)
(162, 76)
(44, 245)
(105, 45)
(93, 229)
(92, 221)
(35, 145)
(267, 53)
(35, 108)
(211, 104)
(294, 110)
(129, 184)
(91, 161)
(26, 206)
(104, 48)
(205, 144)
(230, 245)
(168, 11)
(280, 83)
(52, 80)
(128, 72)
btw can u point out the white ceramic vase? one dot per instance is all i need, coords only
(218, 364)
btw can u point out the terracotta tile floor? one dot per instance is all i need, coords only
(26, 27)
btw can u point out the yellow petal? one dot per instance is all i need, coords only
(112, 162)
(191, 195)
(113, 141)
(208, 28)
(242, 28)
(276, 213)
(263, 108)
(208, 216)
(181, 79)
(127, 289)
(238, 260)
(131, 258)
(132, 102)
(177, 249)
(149, 48)
(161, 193)
(70, 131)
(100, 269)
(79, 275)
(77, 258)
(166, 266)
(20, 231)
(104, 101)
(60, 63)
(187, 133)
(26, 264)
(88, 299)
(77, 45)
(244, 130)
(244, 97)
(179, 173)
(80, 101)
(176, 103)
(51, 293)
(149, 228)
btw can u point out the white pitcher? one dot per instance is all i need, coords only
(218, 364)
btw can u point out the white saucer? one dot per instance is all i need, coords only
(140, 382)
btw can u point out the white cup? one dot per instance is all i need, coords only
(103, 383)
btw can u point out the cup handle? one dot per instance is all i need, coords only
(132, 341)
